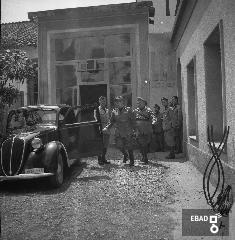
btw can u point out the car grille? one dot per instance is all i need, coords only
(12, 151)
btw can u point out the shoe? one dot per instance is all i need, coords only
(104, 160)
(146, 161)
(131, 156)
(170, 157)
(125, 159)
(100, 162)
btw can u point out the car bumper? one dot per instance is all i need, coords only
(25, 176)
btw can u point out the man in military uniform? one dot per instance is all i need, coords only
(124, 120)
(104, 118)
(169, 133)
(144, 120)
(157, 129)
(177, 124)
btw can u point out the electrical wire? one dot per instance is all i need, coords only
(224, 201)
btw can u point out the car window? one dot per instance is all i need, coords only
(48, 116)
(26, 120)
(16, 120)
(84, 114)
(62, 114)
(34, 117)
(69, 117)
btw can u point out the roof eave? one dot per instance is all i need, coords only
(180, 12)
(111, 9)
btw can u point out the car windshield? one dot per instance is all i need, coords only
(28, 119)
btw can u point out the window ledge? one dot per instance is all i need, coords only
(193, 138)
(217, 146)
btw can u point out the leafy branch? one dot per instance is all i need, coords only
(15, 66)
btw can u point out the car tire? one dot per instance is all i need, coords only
(58, 179)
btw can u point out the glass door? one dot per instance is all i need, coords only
(66, 84)
(102, 58)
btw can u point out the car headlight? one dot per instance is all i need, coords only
(36, 143)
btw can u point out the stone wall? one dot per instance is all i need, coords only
(162, 68)
(206, 16)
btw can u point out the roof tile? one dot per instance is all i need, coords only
(19, 34)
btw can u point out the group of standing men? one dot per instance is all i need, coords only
(135, 126)
(168, 131)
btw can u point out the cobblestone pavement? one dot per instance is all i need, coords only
(96, 202)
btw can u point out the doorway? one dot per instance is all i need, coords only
(89, 94)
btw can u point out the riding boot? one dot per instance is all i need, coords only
(100, 161)
(103, 156)
(172, 153)
(142, 154)
(145, 155)
(125, 155)
(131, 156)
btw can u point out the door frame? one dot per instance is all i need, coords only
(133, 29)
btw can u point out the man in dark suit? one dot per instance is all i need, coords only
(169, 133)
(158, 130)
(124, 119)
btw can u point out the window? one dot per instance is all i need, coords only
(192, 100)
(120, 72)
(64, 49)
(66, 81)
(66, 116)
(214, 83)
(90, 48)
(117, 45)
(88, 60)
(93, 76)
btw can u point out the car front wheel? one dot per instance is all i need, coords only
(58, 179)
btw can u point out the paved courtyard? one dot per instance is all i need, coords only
(105, 202)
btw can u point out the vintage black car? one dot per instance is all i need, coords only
(42, 141)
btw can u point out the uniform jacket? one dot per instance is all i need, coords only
(124, 121)
(157, 127)
(177, 118)
(104, 116)
(144, 120)
(167, 118)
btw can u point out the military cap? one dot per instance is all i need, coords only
(102, 98)
(164, 99)
(119, 99)
(157, 106)
(140, 98)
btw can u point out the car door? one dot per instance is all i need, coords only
(81, 135)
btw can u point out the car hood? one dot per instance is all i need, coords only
(36, 131)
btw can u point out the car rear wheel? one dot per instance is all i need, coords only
(58, 179)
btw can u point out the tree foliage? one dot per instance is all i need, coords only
(14, 66)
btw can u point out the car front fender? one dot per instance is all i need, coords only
(47, 156)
